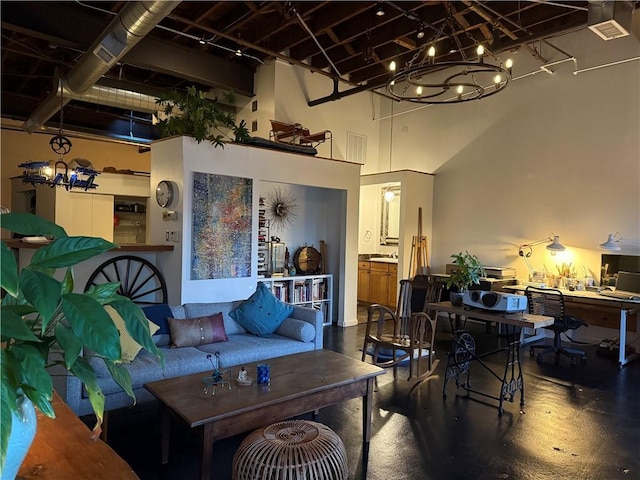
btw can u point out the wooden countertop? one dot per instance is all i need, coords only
(63, 449)
(124, 247)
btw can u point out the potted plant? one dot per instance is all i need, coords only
(192, 113)
(467, 272)
(44, 323)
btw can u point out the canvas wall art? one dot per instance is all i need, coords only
(221, 236)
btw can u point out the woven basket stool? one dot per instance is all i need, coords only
(291, 450)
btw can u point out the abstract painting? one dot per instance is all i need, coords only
(221, 237)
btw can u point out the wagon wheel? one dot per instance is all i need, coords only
(139, 279)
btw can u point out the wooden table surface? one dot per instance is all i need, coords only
(63, 450)
(300, 383)
(292, 376)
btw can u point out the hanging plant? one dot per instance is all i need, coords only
(191, 113)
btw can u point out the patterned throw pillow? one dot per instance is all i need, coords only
(262, 313)
(191, 332)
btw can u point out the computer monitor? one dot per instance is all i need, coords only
(612, 264)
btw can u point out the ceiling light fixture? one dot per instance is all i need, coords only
(380, 10)
(42, 173)
(420, 33)
(425, 80)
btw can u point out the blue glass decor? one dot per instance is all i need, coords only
(263, 373)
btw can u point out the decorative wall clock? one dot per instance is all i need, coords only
(282, 208)
(165, 193)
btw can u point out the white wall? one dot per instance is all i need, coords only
(336, 182)
(294, 87)
(553, 153)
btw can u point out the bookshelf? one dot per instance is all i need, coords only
(263, 240)
(314, 291)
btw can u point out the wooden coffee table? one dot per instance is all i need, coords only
(300, 383)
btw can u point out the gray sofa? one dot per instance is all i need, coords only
(293, 336)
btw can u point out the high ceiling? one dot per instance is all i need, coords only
(199, 43)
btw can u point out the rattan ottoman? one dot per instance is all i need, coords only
(291, 450)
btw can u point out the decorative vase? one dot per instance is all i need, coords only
(23, 430)
(456, 298)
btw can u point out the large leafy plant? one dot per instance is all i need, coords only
(44, 323)
(192, 113)
(467, 272)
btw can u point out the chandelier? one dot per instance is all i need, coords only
(425, 80)
(43, 173)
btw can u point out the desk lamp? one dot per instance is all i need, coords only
(525, 249)
(615, 242)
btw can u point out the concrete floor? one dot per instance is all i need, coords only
(578, 423)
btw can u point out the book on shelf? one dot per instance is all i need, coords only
(280, 291)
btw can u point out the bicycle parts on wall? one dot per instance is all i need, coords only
(140, 280)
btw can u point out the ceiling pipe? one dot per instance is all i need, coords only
(114, 97)
(130, 26)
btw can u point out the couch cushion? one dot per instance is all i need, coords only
(159, 314)
(247, 348)
(193, 310)
(191, 332)
(129, 348)
(297, 329)
(262, 313)
(146, 367)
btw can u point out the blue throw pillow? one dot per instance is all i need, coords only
(262, 313)
(159, 314)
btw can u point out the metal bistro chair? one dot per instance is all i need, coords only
(550, 302)
(402, 335)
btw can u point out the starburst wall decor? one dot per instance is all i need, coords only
(282, 208)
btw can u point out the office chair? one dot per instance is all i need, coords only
(550, 302)
(402, 335)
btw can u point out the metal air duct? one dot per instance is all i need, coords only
(114, 97)
(610, 20)
(135, 21)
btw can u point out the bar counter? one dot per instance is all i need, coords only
(124, 247)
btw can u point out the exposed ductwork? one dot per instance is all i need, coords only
(609, 19)
(130, 26)
(113, 97)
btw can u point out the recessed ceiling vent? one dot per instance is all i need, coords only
(609, 19)
(109, 49)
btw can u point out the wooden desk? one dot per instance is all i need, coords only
(463, 350)
(602, 311)
(63, 449)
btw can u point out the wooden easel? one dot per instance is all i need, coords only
(419, 252)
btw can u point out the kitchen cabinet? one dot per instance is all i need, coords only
(363, 281)
(379, 284)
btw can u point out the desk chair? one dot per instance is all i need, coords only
(402, 335)
(550, 302)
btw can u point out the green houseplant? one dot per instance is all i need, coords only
(192, 113)
(467, 272)
(44, 323)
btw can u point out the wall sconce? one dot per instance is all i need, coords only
(615, 241)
